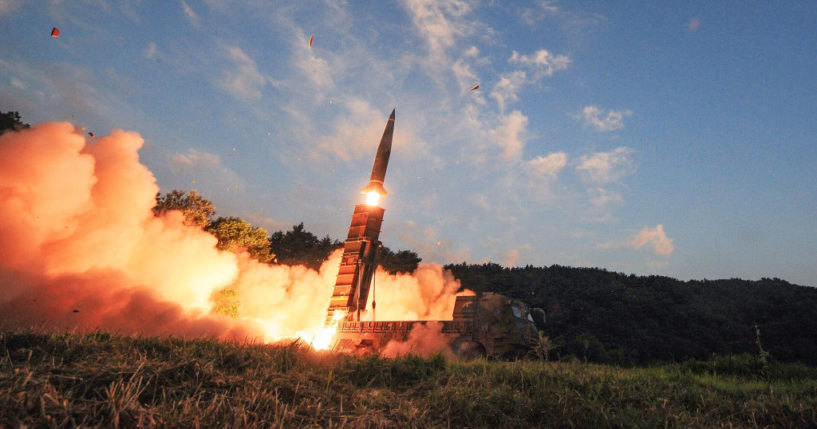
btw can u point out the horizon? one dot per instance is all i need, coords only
(651, 140)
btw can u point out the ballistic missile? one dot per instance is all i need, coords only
(381, 161)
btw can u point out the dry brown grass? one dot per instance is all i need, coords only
(101, 380)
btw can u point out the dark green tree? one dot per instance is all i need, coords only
(235, 234)
(402, 261)
(605, 316)
(11, 121)
(301, 247)
(197, 211)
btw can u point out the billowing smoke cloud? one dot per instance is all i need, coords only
(82, 250)
(428, 294)
(424, 340)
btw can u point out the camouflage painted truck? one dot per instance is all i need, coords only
(489, 324)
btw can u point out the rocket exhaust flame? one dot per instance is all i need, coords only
(372, 198)
(322, 338)
(83, 251)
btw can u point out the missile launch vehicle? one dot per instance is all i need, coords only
(483, 324)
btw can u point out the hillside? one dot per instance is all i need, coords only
(604, 316)
(65, 380)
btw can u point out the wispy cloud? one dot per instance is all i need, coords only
(600, 197)
(242, 78)
(509, 135)
(606, 167)
(205, 167)
(191, 15)
(426, 241)
(7, 7)
(532, 15)
(542, 62)
(463, 72)
(439, 23)
(511, 257)
(595, 118)
(654, 238)
(506, 89)
(151, 52)
(316, 69)
(17, 83)
(547, 166)
(356, 134)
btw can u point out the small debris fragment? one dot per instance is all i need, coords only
(475, 87)
(311, 36)
(55, 32)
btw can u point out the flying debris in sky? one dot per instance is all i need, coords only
(55, 32)
(90, 134)
(311, 36)
(475, 87)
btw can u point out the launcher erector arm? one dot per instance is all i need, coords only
(357, 266)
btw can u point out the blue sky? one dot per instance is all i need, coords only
(671, 138)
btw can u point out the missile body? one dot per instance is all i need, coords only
(359, 261)
(381, 161)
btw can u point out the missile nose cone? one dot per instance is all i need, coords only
(381, 160)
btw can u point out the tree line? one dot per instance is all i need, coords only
(295, 247)
(602, 316)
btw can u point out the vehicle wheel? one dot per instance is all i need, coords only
(467, 349)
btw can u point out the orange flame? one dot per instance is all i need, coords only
(321, 339)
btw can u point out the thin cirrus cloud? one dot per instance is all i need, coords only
(596, 118)
(316, 69)
(439, 23)
(191, 14)
(531, 16)
(601, 197)
(8, 6)
(606, 167)
(205, 166)
(352, 136)
(241, 78)
(151, 52)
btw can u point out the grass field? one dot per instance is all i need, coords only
(67, 380)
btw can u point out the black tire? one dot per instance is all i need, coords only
(467, 349)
